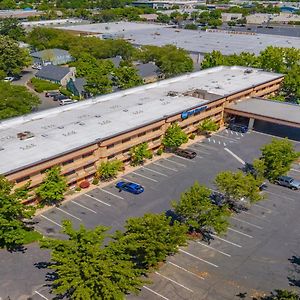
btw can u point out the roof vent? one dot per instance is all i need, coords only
(97, 116)
(248, 71)
(25, 135)
(104, 122)
(69, 133)
(1, 148)
(44, 135)
(60, 127)
(125, 110)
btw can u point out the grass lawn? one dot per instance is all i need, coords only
(32, 236)
(41, 85)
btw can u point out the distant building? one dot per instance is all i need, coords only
(21, 14)
(168, 3)
(49, 23)
(76, 87)
(149, 72)
(55, 56)
(149, 17)
(282, 18)
(60, 75)
(227, 17)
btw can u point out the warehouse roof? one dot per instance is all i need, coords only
(192, 40)
(271, 109)
(63, 129)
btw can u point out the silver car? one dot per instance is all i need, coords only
(288, 182)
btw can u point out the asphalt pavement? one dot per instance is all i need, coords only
(251, 259)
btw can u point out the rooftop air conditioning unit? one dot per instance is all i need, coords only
(25, 135)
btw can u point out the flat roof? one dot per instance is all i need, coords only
(112, 27)
(192, 40)
(66, 128)
(267, 108)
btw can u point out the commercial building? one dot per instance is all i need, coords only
(282, 18)
(196, 42)
(21, 14)
(79, 136)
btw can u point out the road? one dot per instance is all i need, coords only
(252, 258)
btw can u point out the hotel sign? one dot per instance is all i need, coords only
(192, 112)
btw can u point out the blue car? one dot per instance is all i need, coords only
(130, 187)
(238, 127)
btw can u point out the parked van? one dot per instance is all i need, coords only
(66, 101)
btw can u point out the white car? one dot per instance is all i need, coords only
(36, 67)
(9, 79)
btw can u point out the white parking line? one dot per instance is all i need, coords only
(226, 241)
(65, 212)
(255, 216)
(234, 155)
(155, 293)
(179, 284)
(267, 209)
(155, 172)
(294, 170)
(181, 268)
(200, 150)
(96, 199)
(87, 208)
(226, 254)
(239, 232)
(226, 130)
(224, 144)
(231, 132)
(176, 163)
(207, 147)
(214, 141)
(225, 137)
(194, 256)
(143, 176)
(168, 168)
(190, 160)
(248, 223)
(38, 293)
(51, 220)
(279, 196)
(110, 193)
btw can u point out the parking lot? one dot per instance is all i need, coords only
(252, 258)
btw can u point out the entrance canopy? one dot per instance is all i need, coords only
(266, 110)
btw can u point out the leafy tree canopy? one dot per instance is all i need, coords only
(11, 27)
(127, 77)
(15, 100)
(139, 153)
(208, 125)
(236, 186)
(278, 157)
(174, 136)
(12, 58)
(13, 230)
(86, 269)
(197, 211)
(150, 239)
(282, 295)
(53, 187)
(109, 169)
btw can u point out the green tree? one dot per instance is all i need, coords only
(174, 137)
(291, 84)
(53, 187)
(213, 59)
(207, 126)
(236, 186)
(197, 211)
(127, 77)
(139, 153)
(13, 228)
(12, 28)
(109, 169)
(150, 239)
(278, 157)
(12, 58)
(98, 84)
(282, 295)
(260, 170)
(15, 100)
(86, 269)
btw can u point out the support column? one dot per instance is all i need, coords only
(251, 123)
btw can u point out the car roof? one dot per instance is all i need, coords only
(286, 177)
(133, 185)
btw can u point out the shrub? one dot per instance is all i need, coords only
(159, 151)
(192, 136)
(109, 169)
(95, 181)
(78, 189)
(41, 85)
(139, 153)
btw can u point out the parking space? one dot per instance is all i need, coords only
(250, 258)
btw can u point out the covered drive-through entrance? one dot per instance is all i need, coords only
(272, 117)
